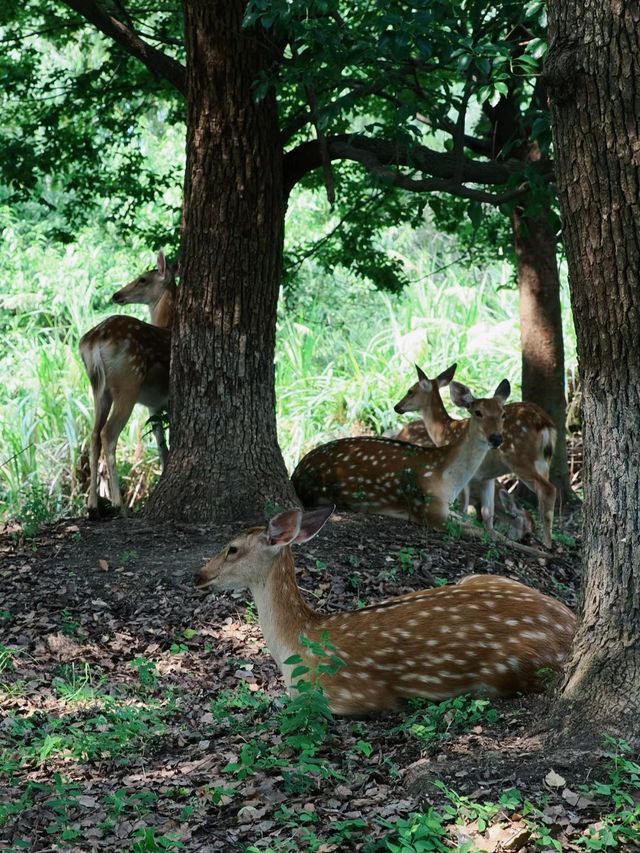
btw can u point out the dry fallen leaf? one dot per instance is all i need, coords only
(554, 780)
(103, 565)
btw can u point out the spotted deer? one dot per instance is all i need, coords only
(488, 635)
(127, 362)
(529, 441)
(379, 475)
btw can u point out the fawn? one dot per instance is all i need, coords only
(529, 440)
(391, 477)
(487, 635)
(127, 362)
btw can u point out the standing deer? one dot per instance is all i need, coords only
(394, 478)
(127, 362)
(529, 442)
(487, 635)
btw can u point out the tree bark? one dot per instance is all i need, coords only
(541, 327)
(225, 463)
(594, 85)
(535, 248)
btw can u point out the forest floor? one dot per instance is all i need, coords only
(139, 713)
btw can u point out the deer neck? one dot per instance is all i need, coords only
(436, 419)
(283, 613)
(162, 313)
(467, 454)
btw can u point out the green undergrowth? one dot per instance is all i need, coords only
(63, 769)
(345, 351)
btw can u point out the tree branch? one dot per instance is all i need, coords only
(155, 60)
(445, 171)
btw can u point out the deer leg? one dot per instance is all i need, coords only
(102, 404)
(158, 434)
(463, 498)
(545, 491)
(123, 404)
(487, 508)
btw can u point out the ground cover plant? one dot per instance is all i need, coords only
(139, 714)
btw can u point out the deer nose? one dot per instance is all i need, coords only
(495, 439)
(116, 298)
(398, 408)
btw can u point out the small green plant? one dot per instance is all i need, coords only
(622, 825)
(78, 682)
(178, 648)
(419, 833)
(564, 539)
(6, 658)
(68, 626)
(147, 841)
(38, 508)
(407, 557)
(437, 721)
(251, 614)
(147, 671)
(128, 556)
(453, 528)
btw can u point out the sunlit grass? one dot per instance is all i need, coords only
(345, 351)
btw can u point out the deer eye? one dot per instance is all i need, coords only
(478, 413)
(232, 550)
(143, 279)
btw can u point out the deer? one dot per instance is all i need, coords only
(390, 477)
(127, 361)
(487, 635)
(529, 441)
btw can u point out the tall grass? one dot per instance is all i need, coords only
(345, 352)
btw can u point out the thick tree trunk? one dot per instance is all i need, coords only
(541, 327)
(594, 84)
(225, 463)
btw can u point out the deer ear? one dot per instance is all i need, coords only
(461, 395)
(423, 380)
(161, 263)
(283, 528)
(446, 376)
(503, 390)
(313, 522)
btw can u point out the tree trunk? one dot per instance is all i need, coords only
(594, 80)
(225, 463)
(541, 327)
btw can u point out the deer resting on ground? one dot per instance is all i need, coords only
(488, 635)
(394, 478)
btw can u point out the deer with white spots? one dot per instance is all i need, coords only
(529, 441)
(127, 362)
(389, 477)
(488, 635)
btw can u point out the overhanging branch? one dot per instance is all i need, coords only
(442, 171)
(155, 60)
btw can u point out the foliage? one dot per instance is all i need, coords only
(325, 383)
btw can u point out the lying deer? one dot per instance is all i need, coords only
(127, 361)
(487, 635)
(368, 474)
(529, 442)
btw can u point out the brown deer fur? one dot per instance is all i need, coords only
(529, 440)
(127, 362)
(379, 475)
(488, 635)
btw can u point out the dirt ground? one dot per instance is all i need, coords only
(108, 609)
